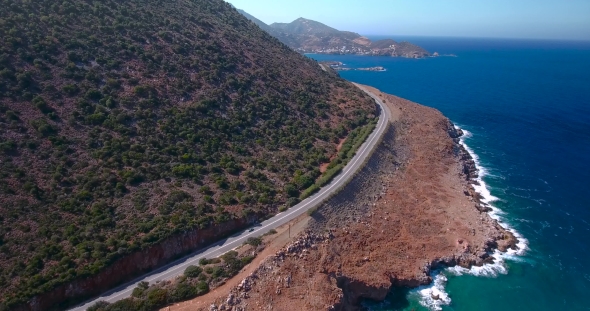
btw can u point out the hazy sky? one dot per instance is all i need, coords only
(566, 19)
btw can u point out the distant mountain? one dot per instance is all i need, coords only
(256, 21)
(304, 26)
(308, 36)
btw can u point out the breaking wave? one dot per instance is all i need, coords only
(434, 296)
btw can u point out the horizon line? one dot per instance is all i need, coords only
(481, 37)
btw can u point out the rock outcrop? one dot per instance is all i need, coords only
(134, 265)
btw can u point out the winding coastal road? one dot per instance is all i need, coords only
(177, 268)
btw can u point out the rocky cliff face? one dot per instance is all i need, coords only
(133, 265)
(410, 210)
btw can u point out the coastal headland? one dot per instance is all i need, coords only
(410, 210)
(308, 36)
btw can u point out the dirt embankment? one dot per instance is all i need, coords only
(273, 243)
(135, 264)
(412, 208)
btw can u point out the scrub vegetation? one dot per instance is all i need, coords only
(123, 123)
(196, 281)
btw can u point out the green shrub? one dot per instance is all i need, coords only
(247, 259)
(7, 146)
(156, 297)
(193, 271)
(202, 288)
(99, 306)
(217, 272)
(253, 241)
(329, 175)
(114, 83)
(42, 105)
(229, 256)
(291, 190)
(71, 89)
(137, 292)
(43, 127)
(303, 181)
(142, 90)
(140, 289)
(127, 304)
(271, 232)
(93, 94)
(205, 190)
(182, 292)
(292, 202)
(308, 192)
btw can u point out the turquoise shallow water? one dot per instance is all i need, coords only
(527, 107)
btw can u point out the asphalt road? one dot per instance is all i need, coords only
(177, 268)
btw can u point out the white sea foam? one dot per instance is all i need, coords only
(433, 296)
(428, 293)
(488, 198)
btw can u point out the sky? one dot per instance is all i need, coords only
(534, 19)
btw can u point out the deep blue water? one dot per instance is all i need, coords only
(527, 105)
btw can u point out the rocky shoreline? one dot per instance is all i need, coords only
(411, 210)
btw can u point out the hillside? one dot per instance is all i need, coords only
(308, 36)
(256, 21)
(304, 26)
(125, 123)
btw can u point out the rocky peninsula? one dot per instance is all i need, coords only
(309, 36)
(410, 210)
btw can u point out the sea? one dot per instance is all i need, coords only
(525, 108)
